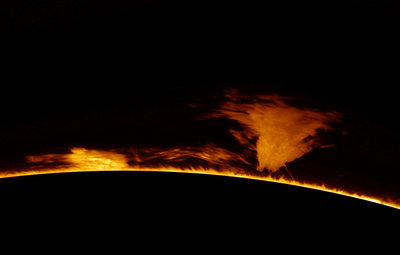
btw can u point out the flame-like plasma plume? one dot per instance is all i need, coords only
(283, 132)
(272, 130)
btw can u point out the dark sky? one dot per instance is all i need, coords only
(68, 53)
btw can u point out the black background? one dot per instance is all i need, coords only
(67, 57)
(184, 211)
(70, 54)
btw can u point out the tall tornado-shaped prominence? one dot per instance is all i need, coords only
(283, 132)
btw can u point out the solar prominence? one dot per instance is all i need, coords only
(273, 132)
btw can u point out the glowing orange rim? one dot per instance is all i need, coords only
(213, 172)
(281, 130)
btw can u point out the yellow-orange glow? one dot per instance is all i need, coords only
(284, 132)
(86, 160)
(270, 130)
(83, 159)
